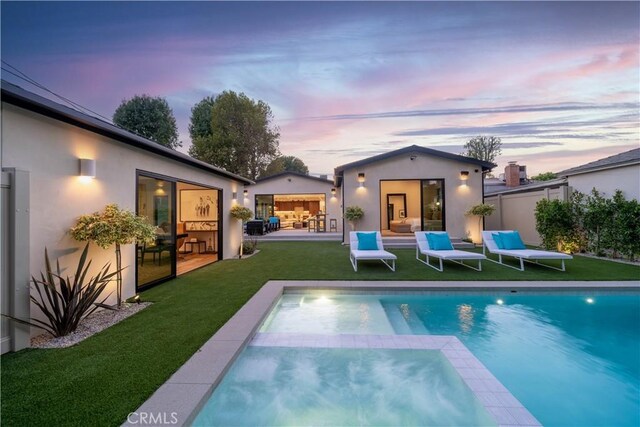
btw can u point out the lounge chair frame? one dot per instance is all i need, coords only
(430, 253)
(486, 237)
(385, 256)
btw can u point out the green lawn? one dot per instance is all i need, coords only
(101, 380)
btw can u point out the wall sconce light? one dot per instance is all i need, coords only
(234, 195)
(413, 157)
(361, 178)
(246, 193)
(87, 168)
(333, 191)
(464, 176)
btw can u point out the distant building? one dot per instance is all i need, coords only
(617, 172)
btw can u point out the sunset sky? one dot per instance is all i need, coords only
(558, 82)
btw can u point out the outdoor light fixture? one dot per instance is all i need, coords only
(361, 178)
(333, 191)
(464, 175)
(87, 168)
(246, 193)
(137, 299)
(234, 195)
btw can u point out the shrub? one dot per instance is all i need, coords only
(557, 225)
(249, 246)
(114, 226)
(65, 301)
(353, 214)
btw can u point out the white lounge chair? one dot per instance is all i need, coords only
(529, 255)
(454, 255)
(379, 253)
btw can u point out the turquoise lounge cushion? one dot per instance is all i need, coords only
(367, 242)
(498, 239)
(439, 242)
(512, 240)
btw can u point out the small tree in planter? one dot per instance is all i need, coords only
(353, 214)
(244, 215)
(114, 226)
(481, 210)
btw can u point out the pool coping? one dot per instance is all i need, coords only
(182, 396)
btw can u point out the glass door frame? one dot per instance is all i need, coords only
(174, 224)
(421, 181)
(442, 197)
(173, 195)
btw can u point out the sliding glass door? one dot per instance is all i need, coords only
(156, 201)
(433, 209)
(264, 206)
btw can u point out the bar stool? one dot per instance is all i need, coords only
(333, 225)
(310, 222)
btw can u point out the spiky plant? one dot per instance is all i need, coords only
(65, 301)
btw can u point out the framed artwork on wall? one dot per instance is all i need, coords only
(198, 205)
(401, 213)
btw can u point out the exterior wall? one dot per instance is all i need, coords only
(458, 197)
(517, 212)
(49, 150)
(294, 184)
(626, 179)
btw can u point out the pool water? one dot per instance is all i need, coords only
(571, 359)
(275, 386)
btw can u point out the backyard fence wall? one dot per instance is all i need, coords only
(516, 211)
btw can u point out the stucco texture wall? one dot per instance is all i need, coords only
(458, 197)
(50, 149)
(293, 184)
(626, 179)
(517, 212)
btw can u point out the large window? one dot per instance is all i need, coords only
(433, 205)
(156, 201)
(264, 206)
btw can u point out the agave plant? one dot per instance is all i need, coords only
(65, 301)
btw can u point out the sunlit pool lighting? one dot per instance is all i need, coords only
(590, 300)
(500, 302)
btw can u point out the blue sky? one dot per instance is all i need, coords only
(558, 82)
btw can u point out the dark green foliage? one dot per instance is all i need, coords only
(285, 164)
(600, 225)
(545, 176)
(65, 301)
(102, 379)
(149, 117)
(243, 139)
(200, 126)
(485, 148)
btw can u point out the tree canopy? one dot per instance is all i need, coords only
(545, 176)
(200, 125)
(243, 139)
(485, 148)
(285, 164)
(150, 118)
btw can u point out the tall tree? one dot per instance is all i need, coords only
(243, 139)
(285, 164)
(485, 148)
(200, 125)
(148, 117)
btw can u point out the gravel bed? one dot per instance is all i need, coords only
(93, 324)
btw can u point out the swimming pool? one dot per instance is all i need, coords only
(570, 358)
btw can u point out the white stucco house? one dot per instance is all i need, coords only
(299, 201)
(59, 163)
(414, 188)
(617, 172)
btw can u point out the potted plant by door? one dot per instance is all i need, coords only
(353, 214)
(481, 210)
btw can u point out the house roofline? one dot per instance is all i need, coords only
(339, 171)
(15, 95)
(571, 172)
(296, 174)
